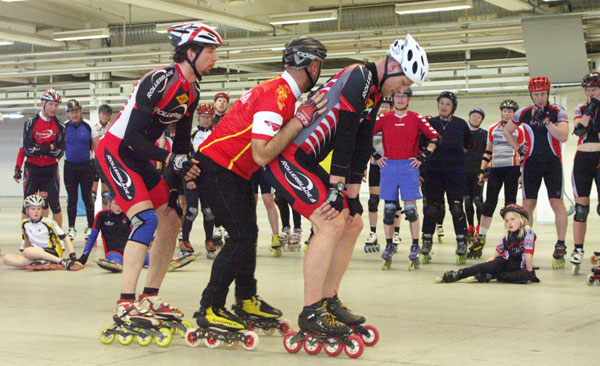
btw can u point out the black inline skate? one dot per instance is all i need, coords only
(476, 248)
(426, 249)
(558, 257)
(449, 276)
(387, 255)
(218, 325)
(413, 257)
(258, 314)
(368, 333)
(461, 250)
(594, 278)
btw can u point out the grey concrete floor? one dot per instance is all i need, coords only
(53, 318)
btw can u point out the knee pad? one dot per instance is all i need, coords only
(143, 226)
(410, 212)
(373, 202)
(581, 212)
(433, 209)
(105, 198)
(389, 212)
(456, 210)
(94, 195)
(478, 201)
(207, 213)
(191, 213)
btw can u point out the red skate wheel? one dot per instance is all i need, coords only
(373, 337)
(332, 347)
(251, 340)
(191, 338)
(357, 347)
(284, 327)
(312, 346)
(289, 345)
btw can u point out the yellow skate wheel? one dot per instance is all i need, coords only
(125, 339)
(165, 337)
(108, 338)
(269, 331)
(182, 330)
(558, 263)
(143, 340)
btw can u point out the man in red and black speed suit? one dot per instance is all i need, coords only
(43, 145)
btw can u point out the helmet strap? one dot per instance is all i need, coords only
(386, 75)
(193, 63)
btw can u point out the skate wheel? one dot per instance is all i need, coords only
(558, 263)
(387, 264)
(312, 346)
(289, 344)
(165, 337)
(191, 338)
(440, 239)
(284, 327)
(277, 252)
(373, 337)
(108, 338)
(594, 259)
(575, 269)
(143, 340)
(269, 331)
(211, 340)
(125, 339)
(333, 347)
(413, 265)
(356, 348)
(183, 328)
(231, 344)
(590, 282)
(251, 341)
(461, 259)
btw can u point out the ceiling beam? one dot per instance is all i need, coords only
(199, 12)
(30, 38)
(511, 5)
(35, 13)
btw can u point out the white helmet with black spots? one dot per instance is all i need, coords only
(51, 95)
(198, 34)
(411, 57)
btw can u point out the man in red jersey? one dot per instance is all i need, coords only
(257, 128)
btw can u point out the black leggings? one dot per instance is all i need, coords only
(231, 199)
(76, 175)
(507, 176)
(473, 195)
(504, 270)
(284, 211)
(191, 201)
(451, 183)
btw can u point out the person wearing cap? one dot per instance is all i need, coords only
(221, 104)
(104, 121)
(81, 140)
(473, 199)
(512, 260)
(546, 128)
(44, 145)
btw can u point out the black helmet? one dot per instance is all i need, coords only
(450, 95)
(388, 101)
(510, 104)
(301, 51)
(105, 108)
(73, 104)
(513, 207)
(478, 110)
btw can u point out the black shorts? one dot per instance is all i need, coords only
(96, 175)
(533, 173)
(374, 175)
(258, 179)
(585, 172)
(43, 179)
(52, 251)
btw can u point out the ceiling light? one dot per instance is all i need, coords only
(6, 43)
(432, 6)
(305, 17)
(82, 34)
(11, 115)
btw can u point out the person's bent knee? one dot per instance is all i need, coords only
(410, 212)
(143, 227)
(333, 227)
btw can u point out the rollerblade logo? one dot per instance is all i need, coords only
(173, 115)
(44, 135)
(159, 81)
(305, 189)
(120, 177)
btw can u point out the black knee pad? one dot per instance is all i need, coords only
(191, 213)
(373, 202)
(433, 209)
(456, 210)
(581, 212)
(389, 212)
(207, 213)
(410, 212)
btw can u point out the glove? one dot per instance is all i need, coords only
(539, 115)
(307, 112)
(591, 107)
(532, 277)
(174, 202)
(44, 149)
(180, 163)
(335, 198)
(355, 206)
(424, 156)
(83, 259)
(580, 130)
(522, 150)
(18, 173)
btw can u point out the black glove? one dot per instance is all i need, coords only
(539, 115)
(83, 259)
(73, 257)
(18, 173)
(181, 164)
(580, 130)
(591, 107)
(44, 149)
(355, 206)
(424, 156)
(174, 202)
(335, 198)
(532, 277)
(521, 151)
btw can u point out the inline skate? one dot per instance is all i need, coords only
(319, 329)
(284, 238)
(42, 265)
(368, 333)
(181, 261)
(413, 257)
(257, 314)
(558, 257)
(595, 258)
(185, 247)
(218, 237)
(371, 245)
(109, 265)
(426, 250)
(396, 238)
(276, 246)
(576, 258)
(449, 276)
(294, 242)
(461, 250)
(388, 253)
(476, 249)
(211, 249)
(440, 232)
(594, 277)
(216, 325)
(169, 316)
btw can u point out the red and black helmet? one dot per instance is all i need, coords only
(206, 108)
(222, 95)
(51, 95)
(591, 80)
(513, 207)
(539, 83)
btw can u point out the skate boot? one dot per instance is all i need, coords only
(319, 329)
(470, 234)
(258, 314)
(276, 246)
(389, 251)
(426, 250)
(218, 325)
(396, 238)
(558, 257)
(161, 310)
(211, 248)
(131, 320)
(284, 238)
(294, 242)
(461, 250)
(181, 261)
(225, 235)
(86, 233)
(413, 257)
(449, 276)
(109, 265)
(484, 277)
(368, 333)
(371, 245)
(476, 248)
(576, 258)
(72, 233)
(440, 233)
(594, 277)
(185, 247)
(217, 237)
